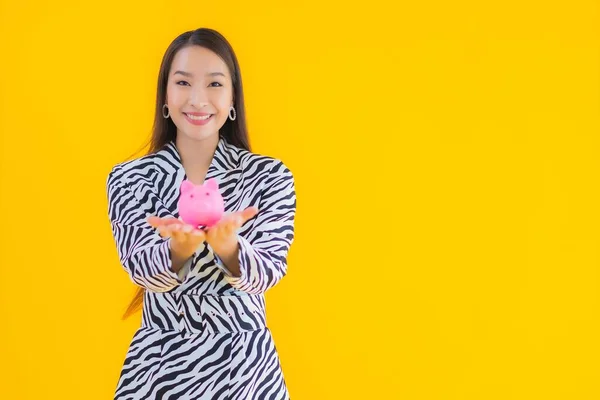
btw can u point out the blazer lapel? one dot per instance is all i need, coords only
(170, 172)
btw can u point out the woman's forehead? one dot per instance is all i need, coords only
(198, 61)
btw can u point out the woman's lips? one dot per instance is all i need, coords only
(198, 119)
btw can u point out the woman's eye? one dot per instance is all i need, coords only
(177, 83)
(217, 84)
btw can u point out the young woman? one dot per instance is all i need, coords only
(203, 333)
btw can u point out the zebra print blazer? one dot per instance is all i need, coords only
(150, 186)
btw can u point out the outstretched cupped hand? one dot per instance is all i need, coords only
(186, 238)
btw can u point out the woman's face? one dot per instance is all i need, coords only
(199, 86)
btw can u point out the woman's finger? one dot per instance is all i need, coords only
(178, 234)
(164, 231)
(236, 220)
(230, 223)
(241, 217)
(230, 227)
(155, 221)
(249, 212)
(172, 221)
(185, 228)
(199, 235)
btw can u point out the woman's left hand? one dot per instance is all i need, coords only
(222, 236)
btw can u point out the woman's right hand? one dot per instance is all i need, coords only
(185, 238)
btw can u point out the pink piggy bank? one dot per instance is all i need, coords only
(200, 205)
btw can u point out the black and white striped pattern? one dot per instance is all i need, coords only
(204, 335)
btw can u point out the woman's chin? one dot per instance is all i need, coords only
(197, 134)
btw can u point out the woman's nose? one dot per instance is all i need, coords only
(198, 98)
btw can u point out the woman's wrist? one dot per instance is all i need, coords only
(229, 256)
(178, 256)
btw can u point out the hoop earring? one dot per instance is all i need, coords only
(168, 111)
(234, 114)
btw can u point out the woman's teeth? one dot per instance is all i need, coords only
(198, 118)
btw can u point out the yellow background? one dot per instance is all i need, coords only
(446, 158)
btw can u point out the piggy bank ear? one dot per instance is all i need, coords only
(211, 184)
(186, 186)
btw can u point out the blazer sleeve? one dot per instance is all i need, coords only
(263, 251)
(143, 253)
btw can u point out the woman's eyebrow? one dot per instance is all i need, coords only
(190, 75)
(183, 73)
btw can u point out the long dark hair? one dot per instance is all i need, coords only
(164, 130)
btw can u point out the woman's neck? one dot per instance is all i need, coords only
(196, 155)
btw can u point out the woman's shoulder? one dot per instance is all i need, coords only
(136, 167)
(265, 167)
(254, 162)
